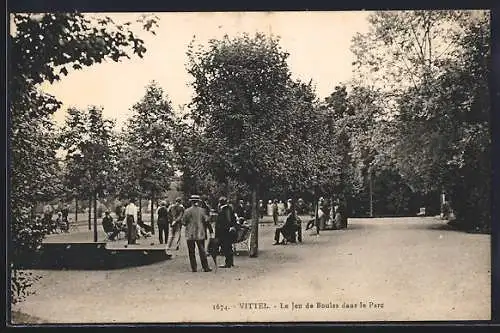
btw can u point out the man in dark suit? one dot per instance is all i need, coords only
(163, 221)
(288, 229)
(109, 226)
(225, 231)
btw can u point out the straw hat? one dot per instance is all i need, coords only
(195, 198)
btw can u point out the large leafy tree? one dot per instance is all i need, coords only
(435, 78)
(147, 158)
(44, 47)
(406, 48)
(446, 138)
(242, 108)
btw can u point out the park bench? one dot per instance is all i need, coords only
(242, 240)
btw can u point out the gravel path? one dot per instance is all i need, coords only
(399, 268)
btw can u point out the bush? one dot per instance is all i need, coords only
(20, 284)
(27, 236)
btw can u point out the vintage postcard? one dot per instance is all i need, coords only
(249, 167)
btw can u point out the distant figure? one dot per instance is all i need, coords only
(120, 212)
(131, 213)
(322, 213)
(239, 209)
(48, 211)
(61, 223)
(275, 211)
(262, 209)
(288, 206)
(162, 221)
(248, 211)
(176, 211)
(225, 231)
(65, 213)
(196, 222)
(301, 206)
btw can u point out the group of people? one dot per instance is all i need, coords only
(330, 215)
(220, 225)
(198, 227)
(128, 220)
(61, 221)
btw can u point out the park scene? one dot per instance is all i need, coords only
(239, 167)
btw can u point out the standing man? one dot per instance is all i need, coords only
(65, 213)
(176, 211)
(131, 217)
(225, 230)
(196, 222)
(275, 211)
(163, 221)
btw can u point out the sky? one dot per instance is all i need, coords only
(318, 43)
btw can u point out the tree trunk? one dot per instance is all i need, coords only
(76, 210)
(316, 207)
(152, 213)
(140, 210)
(371, 192)
(95, 217)
(90, 212)
(331, 212)
(344, 211)
(254, 233)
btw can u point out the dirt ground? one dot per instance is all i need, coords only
(393, 269)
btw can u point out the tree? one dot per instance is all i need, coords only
(451, 149)
(42, 48)
(242, 108)
(149, 136)
(88, 140)
(405, 48)
(437, 92)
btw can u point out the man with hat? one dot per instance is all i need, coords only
(225, 230)
(109, 226)
(163, 221)
(175, 212)
(196, 222)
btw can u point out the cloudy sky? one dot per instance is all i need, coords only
(318, 43)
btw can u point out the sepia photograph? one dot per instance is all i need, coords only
(249, 167)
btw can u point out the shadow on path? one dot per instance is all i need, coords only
(90, 256)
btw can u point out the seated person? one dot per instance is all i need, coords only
(110, 227)
(321, 216)
(143, 230)
(143, 226)
(61, 223)
(288, 230)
